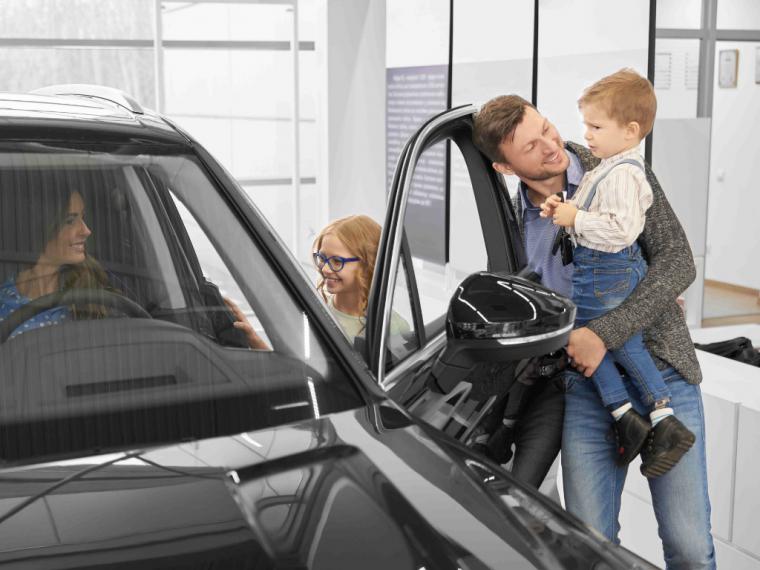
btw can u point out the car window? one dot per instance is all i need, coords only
(401, 335)
(454, 247)
(215, 271)
(114, 267)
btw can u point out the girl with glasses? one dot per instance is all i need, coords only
(344, 253)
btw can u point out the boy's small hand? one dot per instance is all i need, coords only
(564, 215)
(549, 206)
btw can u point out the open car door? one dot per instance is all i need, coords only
(431, 246)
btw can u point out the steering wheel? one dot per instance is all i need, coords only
(108, 299)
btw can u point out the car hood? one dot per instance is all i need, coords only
(367, 488)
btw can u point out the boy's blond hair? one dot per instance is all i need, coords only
(625, 96)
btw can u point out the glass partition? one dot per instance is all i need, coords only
(241, 106)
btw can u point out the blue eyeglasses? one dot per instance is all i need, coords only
(335, 262)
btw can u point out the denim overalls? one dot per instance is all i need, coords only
(601, 282)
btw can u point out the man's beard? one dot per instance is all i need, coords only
(545, 174)
(540, 177)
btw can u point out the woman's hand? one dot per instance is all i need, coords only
(241, 323)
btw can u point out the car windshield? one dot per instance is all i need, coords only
(116, 268)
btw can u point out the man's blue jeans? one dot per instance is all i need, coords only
(593, 483)
(601, 282)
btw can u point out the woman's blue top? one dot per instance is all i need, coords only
(11, 299)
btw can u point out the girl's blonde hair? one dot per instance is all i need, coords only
(361, 236)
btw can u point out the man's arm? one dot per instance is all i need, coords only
(671, 271)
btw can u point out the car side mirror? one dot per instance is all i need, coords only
(499, 318)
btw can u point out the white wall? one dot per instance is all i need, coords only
(676, 78)
(492, 56)
(684, 14)
(580, 41)
(417, 32)
(680, 159)
(733, 242)
(492, 30)
(226, 22)
(493, 50)
(739, 14)
(351, 64)
(681, 150)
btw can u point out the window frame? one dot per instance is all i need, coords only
(498, 223)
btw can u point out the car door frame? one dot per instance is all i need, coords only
(500, 230)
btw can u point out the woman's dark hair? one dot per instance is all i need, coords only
(52, 201)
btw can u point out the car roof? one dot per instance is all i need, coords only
(30, 116)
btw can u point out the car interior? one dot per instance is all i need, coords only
(158, 271)
(180, 370)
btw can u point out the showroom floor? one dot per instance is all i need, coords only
(725, 306)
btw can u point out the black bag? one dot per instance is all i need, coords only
(739, 348)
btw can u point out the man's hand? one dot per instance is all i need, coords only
(586, 349)
(564, 215)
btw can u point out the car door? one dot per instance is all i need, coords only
(423, 256)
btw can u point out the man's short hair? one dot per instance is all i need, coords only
(625, 96)
(497, 121)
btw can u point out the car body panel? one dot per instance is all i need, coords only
(332, 502)
(365, 488)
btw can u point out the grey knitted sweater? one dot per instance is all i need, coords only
(652, 305)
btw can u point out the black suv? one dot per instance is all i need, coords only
(138, 428)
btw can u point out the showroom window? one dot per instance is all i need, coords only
(224, 71)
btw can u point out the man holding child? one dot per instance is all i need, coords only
(623, 225)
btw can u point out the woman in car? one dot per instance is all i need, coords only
(62, 263)
(344, 252)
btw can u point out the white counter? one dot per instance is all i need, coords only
(731, 395)
(714, 334)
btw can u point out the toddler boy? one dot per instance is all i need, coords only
(604, 219)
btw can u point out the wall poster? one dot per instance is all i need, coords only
(414, 95)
